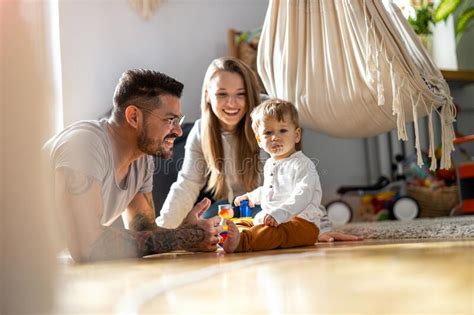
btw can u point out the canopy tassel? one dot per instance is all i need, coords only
(397, 108)
(431, 150)
(448, 117)
(417, 130)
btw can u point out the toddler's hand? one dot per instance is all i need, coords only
(270, 221)
(239, 199)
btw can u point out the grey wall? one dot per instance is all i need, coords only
(340, 161)
(102, 38)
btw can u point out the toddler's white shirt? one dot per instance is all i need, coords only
(291, 188)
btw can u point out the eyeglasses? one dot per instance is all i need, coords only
(171, 121)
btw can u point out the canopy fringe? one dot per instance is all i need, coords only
(417, 130)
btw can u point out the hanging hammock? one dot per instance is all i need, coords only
(354, 68)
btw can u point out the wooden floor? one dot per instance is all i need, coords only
(369, 277)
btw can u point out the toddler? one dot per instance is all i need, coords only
(290, 197)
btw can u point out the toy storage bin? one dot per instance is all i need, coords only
(435, 203)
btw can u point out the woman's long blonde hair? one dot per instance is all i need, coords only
(247, 162)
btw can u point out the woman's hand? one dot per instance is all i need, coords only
(338, 236)
(239, 199)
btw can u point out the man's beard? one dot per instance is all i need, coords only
(151, 147)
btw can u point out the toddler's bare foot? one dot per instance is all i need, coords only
(233, 237)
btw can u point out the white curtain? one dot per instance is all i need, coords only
(353, 68)
(29, 93)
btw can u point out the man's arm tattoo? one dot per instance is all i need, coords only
(142, 223)
(117, 243)
(120, 243)
(191, 237)
(144, 220)
(77, 183)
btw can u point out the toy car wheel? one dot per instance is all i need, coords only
(405, 209)
(339, 212)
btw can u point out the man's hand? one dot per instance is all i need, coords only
(196, 234)
(338, 236)
(270, 221)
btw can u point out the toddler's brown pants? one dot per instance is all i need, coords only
(294, 233)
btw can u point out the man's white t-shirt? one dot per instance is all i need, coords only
(85, 147)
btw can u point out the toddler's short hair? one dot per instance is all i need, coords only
(274, 108)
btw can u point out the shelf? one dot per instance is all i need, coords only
(458, 78)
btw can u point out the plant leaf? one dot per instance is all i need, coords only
(445, 8)
(464, 19)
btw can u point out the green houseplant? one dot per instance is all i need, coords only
(422, 18)
(466, 15)
(423, 14)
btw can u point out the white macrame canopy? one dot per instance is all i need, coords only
(354, 68)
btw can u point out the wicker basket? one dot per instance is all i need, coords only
(435, 203)
(248, 54)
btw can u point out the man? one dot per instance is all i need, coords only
(104, 168)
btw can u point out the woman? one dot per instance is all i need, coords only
(221, 154)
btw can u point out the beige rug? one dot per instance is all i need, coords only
(426, 228)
